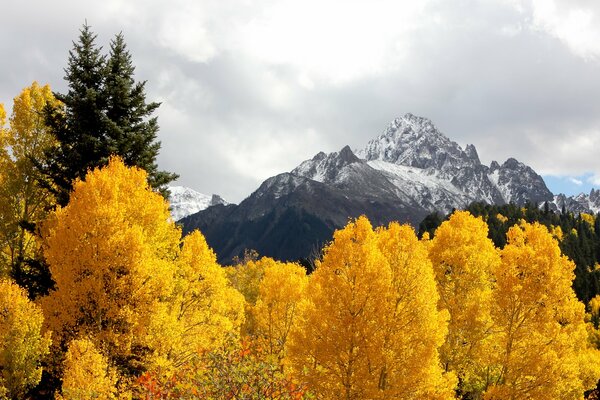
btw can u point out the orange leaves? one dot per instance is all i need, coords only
(237, 370)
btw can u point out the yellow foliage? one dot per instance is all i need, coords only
(22, 345)
(556, 232)
(246, 278)
(204, 308)
(21, 197)
(356, 323)
(281, 291)
(87, 374)
(111, 252)
(415, 327)
(337, 345)
(464, 259)
(594, 306)
(589, 218)
(542, 350)
(501, 218)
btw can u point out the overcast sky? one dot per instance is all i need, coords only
(251, 88)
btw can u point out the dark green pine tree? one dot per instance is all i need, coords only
(79, 125)
(131, 129)
(104, 113)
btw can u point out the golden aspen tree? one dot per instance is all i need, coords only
(246, 277)
(111, 252)
(337, 347)
(204, 308)
(87, 374)
(23, 202)
(415, 328)
(281, 291)
(22, 344)
(542, 351)
(464, 259)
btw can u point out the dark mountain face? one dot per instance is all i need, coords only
(403, 175)
(291, 218)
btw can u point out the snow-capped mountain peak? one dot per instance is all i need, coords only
(415, 142)
(185, 201)
(326, 167)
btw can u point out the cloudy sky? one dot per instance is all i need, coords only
(250, 88)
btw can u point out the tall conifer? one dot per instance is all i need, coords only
(104, 113)
(131, 129)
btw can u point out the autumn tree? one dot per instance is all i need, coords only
(22, 344)
(337, 345)
(245, 276)
(542, 351)
(203, 310)
(346, 344)
(280, 293)
(23, 202)
(464, 260)
(111, 252)
(87, 374)
(103, 113)
(415, 328)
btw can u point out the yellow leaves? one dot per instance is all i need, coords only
(110, 252)
(542, 339)
(416, 327)
(589, 218)
(22, 345)
(501, 218)
(556, 232)
(339, 338)
(281, 292)
(87, 374)
(370, 327)
(204, 306)
(29, 136)
(22, 200)
(464, 260)
(123, 281)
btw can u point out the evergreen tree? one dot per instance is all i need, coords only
(78, 124)
(104, 113)
(130, 128)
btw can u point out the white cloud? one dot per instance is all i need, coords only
(574, 22)
(594, 179)
(252, 87)
(338, 42)
(576, 181)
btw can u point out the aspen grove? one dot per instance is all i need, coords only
(102, 297)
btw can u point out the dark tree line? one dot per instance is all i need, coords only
(580, 240)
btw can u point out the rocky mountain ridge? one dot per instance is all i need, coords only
(407, 172)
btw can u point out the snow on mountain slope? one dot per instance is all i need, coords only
(418, 165)
(579, 203)
(428, 190)
(185, 201)
(415, 142)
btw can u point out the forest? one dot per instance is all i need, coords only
(102, 297)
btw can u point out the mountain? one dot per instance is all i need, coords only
(408, 171)
(414, 142)
(579, 203)
(185, 201)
